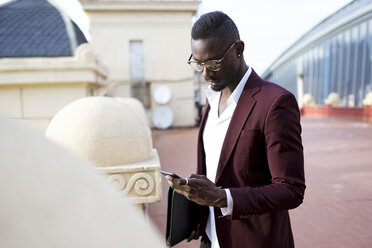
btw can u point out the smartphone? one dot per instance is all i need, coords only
(170, 174)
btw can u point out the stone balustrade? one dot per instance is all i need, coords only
(113, 133)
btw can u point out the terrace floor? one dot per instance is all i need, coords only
(337, 209)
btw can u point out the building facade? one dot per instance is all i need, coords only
(145, 45)
(45, 62)
(333, 57)
(136, 47)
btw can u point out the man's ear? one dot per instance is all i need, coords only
(239, 48)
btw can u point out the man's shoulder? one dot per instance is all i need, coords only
(267, 87)
(273, 88)
(270, 91)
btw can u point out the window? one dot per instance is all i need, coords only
(333, 65)
(318, 73)
(369, 58)
(361, 64)
(339, 79)
(325, 72)
(347, 66)
(140, 89)
(354, 65)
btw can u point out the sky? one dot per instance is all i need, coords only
(267, 27)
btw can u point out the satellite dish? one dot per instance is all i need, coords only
(162, 94)
(162, 117)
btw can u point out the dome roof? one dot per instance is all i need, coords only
(104, 130)
(35, 28)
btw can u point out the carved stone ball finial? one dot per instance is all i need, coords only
(104, 130)
(114, 134)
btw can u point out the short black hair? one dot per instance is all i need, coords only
(215, 24)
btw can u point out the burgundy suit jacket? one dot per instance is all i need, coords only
(262, 164)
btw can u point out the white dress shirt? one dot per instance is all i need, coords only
(213, 136)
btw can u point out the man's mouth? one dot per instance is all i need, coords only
(213, 82)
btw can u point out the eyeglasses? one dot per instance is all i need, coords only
(213, 65)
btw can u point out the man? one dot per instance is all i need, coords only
(250, 156)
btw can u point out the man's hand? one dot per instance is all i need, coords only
(195, 234)
(199, 189)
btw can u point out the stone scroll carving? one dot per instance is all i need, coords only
(139, 183)
(142, 183)
(113, 133)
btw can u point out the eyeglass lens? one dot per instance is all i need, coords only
(212, 65)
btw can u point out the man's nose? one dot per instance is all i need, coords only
(207, 73)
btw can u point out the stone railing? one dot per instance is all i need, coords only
(112, 133)
(334, 108)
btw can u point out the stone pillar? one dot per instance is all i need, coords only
(300, 90)
(113, 133)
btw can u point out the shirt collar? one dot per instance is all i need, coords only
(213, 96)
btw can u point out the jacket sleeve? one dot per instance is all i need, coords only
(282, 134)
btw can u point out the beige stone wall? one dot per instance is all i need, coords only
(181, 102)
(35, 89)
(37, 104)
(164, 28)
(165, 36)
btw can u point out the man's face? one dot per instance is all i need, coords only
(214, 49)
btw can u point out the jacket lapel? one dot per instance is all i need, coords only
(201, 168)
(243, 109)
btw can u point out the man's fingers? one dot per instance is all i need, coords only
(192, 236)
(196, 176)
(169, 180)
(182, 192)
(184, 181)
(175, 182)
(197, 234)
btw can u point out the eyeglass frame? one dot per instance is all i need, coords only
(217, 61)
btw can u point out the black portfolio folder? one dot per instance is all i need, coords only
(182, 218)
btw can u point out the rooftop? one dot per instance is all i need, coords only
(36, 28)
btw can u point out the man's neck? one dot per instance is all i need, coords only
(239, 75)
(226, 92)
(222, 105)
